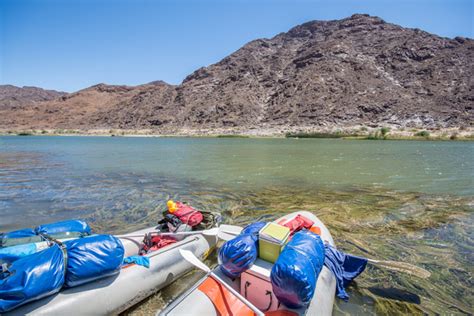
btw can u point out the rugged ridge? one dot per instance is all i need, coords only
(12, 96)
(321, 74)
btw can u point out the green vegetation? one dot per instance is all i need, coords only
(25, 133)
(384, 131)
(365, 221)
(425, 134)
(337, 134)
(380, 134)
(65, 131)
(375, 136)
(232, 136)
(361, 133)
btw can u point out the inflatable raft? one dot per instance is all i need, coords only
(112, 295)
(225, 302)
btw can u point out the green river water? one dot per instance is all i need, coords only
(409, 201)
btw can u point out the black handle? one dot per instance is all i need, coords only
(271, 301)
(247, 284)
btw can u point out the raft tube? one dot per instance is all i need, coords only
(134, 283)
(321, 303)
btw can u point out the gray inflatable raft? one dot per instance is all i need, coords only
(321, 304)
(134, 283)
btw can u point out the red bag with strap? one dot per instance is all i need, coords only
(155, 242)
(298, 223)
(188, 215)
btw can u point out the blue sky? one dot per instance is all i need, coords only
(69, 45)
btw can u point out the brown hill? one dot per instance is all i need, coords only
(356, 71)
(12, 96)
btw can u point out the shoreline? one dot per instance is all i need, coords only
(349, 133)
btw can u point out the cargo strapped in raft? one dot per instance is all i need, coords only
(35, 273)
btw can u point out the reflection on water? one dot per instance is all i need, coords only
(403, 201)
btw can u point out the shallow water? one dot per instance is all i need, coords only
(394, 200)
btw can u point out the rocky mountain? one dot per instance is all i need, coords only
(355, 71)
(12, 96)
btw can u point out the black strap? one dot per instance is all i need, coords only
(61, 245)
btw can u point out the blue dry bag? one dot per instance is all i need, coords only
(238, 254)
(18, 237)
(296, 270)
(31, 278)
(65, 229)
(253, 228)
(92, 258)
(12, 253)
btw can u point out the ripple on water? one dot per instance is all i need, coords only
(428, 230)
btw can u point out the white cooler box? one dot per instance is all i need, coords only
(256, 287)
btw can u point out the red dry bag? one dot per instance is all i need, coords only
(298, 223)
(188, 215)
